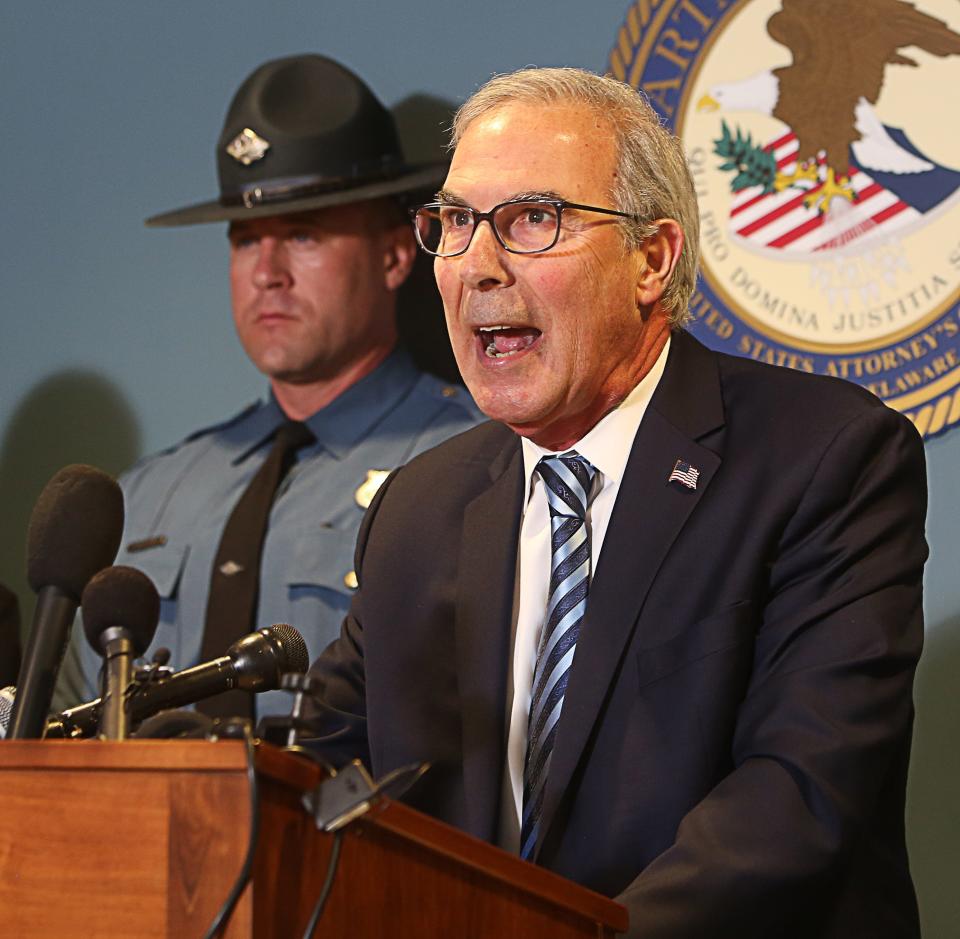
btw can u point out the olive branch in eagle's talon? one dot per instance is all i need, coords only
(754, 165)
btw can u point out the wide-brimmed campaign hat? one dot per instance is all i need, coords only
(303, 133)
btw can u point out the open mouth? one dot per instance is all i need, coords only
(500, 342)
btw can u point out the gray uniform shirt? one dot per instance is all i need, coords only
(178, 502)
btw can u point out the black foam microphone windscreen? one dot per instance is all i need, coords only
(121, 597)
(120, 612)
(74, 531)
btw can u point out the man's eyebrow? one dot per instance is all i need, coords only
(536, 194)
(450, 198)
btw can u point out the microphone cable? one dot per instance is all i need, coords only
(243, 877)
(397, 782)
(332, 865)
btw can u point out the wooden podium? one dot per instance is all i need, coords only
(146, 838)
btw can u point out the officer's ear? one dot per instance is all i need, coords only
(399, 254)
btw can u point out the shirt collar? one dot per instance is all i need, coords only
(608, 443)
(351, 415)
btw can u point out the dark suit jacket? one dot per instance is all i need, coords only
(732, 752)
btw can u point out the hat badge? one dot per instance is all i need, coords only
(248, 147)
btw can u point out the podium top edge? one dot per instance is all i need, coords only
(146, 755)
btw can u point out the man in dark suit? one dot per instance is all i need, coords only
(655, 626)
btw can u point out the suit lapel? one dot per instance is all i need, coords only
(648, 515)
(484, 609)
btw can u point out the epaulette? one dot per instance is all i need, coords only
(202, 432)
(222, 425)
(450, 393)
(147, 462)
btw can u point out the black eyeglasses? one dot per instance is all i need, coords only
(523, 226)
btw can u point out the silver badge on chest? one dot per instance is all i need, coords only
(368, 488)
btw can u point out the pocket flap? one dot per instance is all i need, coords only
(323, 557)
(162, 563)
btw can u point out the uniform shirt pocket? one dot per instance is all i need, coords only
(322, 561)
(163, 564)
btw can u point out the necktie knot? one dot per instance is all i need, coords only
(293, 435)
(569, 479)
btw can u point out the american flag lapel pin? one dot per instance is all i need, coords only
(685, 474)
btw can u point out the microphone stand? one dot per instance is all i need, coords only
(45, 650)
(118, 675)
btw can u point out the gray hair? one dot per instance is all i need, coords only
(653, 180)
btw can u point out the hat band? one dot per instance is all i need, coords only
(283, 190)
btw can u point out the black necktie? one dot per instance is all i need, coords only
(235, 578)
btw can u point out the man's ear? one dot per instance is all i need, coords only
(660, 253)
(400, 251)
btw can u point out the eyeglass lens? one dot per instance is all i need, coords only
(522, 226)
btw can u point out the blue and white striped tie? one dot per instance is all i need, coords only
(569, 481)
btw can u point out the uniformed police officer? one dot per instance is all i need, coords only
(310, 171)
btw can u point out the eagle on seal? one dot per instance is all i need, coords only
(840, 53)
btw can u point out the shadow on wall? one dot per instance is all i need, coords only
(933, 795)
(423, 122)
(71, 417)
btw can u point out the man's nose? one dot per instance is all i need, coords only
(485, 264)
(271, 269)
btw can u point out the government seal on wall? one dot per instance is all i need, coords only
(823, 143)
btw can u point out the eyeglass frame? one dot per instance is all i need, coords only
(478, 217)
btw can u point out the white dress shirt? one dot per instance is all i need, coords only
(607, 446)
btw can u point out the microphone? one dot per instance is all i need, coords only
(74, 531)
(254, 663)
(121, 608)
(7, 696)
